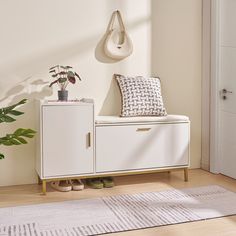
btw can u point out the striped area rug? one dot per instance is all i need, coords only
(117, 213)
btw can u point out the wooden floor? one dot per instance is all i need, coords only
(226, 226)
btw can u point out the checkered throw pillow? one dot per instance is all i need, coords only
(140, 96)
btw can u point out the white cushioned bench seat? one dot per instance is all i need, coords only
(141, 119)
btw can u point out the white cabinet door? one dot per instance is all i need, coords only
(66, 147)
(141, 146)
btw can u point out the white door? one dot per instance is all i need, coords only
(66, 130)
(227, 87)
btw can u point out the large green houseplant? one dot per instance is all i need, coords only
(8, 115)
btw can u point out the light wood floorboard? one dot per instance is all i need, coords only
(226, 226)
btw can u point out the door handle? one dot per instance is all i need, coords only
(224, 91)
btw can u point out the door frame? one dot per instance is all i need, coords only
(214, 89)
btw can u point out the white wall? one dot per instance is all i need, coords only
(38, 34)
(177, 60)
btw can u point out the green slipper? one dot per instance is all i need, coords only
(95, 183)
(108, 182)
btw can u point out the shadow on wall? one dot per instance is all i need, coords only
(35, 88)
(37, 61)
(44, 59)
(24, 67)
(112, 95)
(19, 91)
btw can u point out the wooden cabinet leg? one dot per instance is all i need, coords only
(186, 174)
(44, 187)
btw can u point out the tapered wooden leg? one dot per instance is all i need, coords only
(44, 187)
(39, 181)
(186, 174)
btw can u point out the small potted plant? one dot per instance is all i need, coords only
(63, 75)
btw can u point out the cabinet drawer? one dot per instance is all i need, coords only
(130, 147)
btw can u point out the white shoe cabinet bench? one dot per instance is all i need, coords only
(72, 143)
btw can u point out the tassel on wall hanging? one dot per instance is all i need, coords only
(118, 44)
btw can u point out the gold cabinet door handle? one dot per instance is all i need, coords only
(89, 139)
(143, 129)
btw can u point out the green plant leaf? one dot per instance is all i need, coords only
(16, 113)
(70, 73)
(7, 119)
(54, 82)
(62, 73)
(77, 76)
(28, 135)
(29, 131)
(16, 137)
(53, 67)
(19, 131)
(7, 143)
(52, 71)
(3, 139)
(7, 109)
(2, 119)
(21, 140)
(23, 101)
(15, 142)
(62, 80)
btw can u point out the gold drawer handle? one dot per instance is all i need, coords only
(143, 129)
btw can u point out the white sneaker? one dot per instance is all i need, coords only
(77, 184)
(62, 185)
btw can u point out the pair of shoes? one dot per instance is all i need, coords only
(98, 183)
(76, 184)
(108, 182)
(68, 185)
(94, 183)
